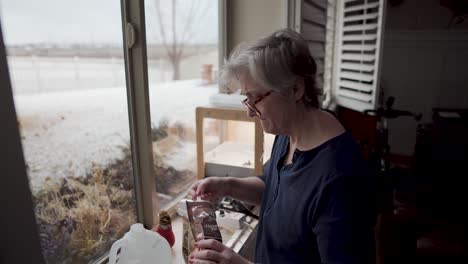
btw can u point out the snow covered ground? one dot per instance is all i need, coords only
(66, 132)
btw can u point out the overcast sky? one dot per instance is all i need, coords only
(93, 21)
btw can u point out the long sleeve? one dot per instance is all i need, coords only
(344, 221)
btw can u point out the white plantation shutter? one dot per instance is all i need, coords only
(358, 40)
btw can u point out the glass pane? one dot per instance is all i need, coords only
(236, 148)
(182, 42)
(67, 69)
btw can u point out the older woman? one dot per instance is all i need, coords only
(315, 194)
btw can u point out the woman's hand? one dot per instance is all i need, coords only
(211, 189)
(213, 251)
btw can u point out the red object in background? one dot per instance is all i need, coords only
(362, 128)
(165, 228)
(168, 234)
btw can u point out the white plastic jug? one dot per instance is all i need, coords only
(141, 246)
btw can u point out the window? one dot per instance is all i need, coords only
(68, 77)
(90, 127)
(183, 54)
(77, 90)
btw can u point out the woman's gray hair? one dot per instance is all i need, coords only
(276, 62)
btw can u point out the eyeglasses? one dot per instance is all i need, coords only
(251, 105)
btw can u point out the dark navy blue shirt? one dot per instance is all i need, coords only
(320, 208)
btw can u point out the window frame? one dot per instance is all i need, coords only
(17, 204)
(136, 75)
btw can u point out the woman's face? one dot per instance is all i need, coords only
(274, 109)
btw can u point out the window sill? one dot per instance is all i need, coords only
(242, 240)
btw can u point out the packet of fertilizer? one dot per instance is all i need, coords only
(202, 219)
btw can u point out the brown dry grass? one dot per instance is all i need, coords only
(101, 211)
(80, 217)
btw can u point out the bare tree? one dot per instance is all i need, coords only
(183, 29)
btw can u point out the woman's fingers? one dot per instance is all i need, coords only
(201, 188)
(197, 261)
(193, 189)
(207, 254)
(206, 195)
(210, 244)
(192, 193)
(197, 189)
(204, 189)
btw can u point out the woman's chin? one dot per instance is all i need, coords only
(267, 128)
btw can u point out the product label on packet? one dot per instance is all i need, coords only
(202, 219)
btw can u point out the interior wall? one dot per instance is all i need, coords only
(420, 15)
(249, 20)
(424, 65)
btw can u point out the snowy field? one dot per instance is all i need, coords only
(66, 132)
(44, 74)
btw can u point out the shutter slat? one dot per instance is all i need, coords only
(357, 76)
(358, 57)
(351, 47)
(360, 27)
(359, 37)
(356, 95)
(357, 66)
(361, 7)
(360, 17)
(356, 86)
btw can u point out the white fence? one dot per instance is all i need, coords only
(44, 74)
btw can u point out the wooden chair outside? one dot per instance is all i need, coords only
(233, 114)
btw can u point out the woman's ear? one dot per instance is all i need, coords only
(299, 89)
